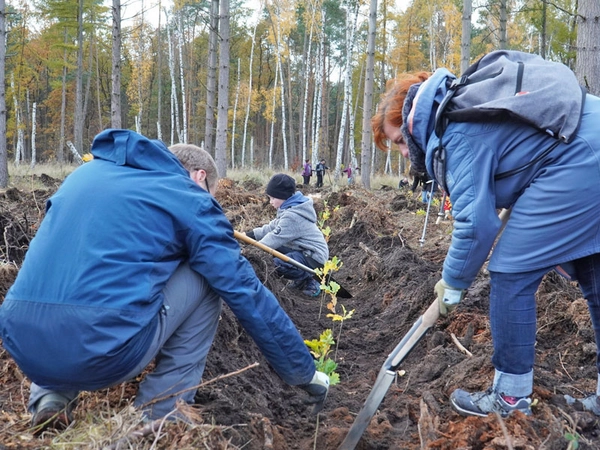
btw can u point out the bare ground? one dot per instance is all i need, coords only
(391, 277)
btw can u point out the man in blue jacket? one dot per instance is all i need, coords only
(549, 182)
(129, 266)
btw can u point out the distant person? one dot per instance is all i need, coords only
(403, 183)
(293, 232)
(307, 172)
(348, 172)
(508, 163)
(133, 274)
(320, 169)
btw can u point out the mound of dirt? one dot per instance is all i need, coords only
(391, 271)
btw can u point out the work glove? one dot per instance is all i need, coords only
(250, 234)
(448, 297)
(317, 391)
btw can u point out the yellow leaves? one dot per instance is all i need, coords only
(341, 317)
(87, 157)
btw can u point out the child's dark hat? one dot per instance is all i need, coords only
(281, 186)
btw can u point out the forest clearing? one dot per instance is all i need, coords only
(376, 234)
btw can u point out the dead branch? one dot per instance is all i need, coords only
(460, 346)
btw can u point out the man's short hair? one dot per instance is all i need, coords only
(195, 158)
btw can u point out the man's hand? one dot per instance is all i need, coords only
(448, 297)
(317, 391)
(250, 234)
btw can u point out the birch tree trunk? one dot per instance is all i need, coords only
(3, 152)
(78, 119)
(211, 80)
(183, 138)
(33, 131)
(250, 71)
(503, 20)
(115, 99)
(367, 138)
(465, 42)
(174, 103)
(235, 105)
(283, 115)
(351, 18)
(19, 127)
(223, 93)
(272, 140)
(159, 77)
(587, 65)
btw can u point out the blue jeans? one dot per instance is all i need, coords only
(290, 271)
(187, 325)
(513, 321)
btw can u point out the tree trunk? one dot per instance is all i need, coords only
(503, 36)
(465, 42)
(587, 65)
(223, 93)
(3, 152)
(115, 99)
(183, 138)
(33, 131)
(79, 117)
(249, 91)
(60, 154)
(365, 170)
(211, 81)
(235, 105)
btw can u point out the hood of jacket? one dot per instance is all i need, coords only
(128, 148)
(422, 116)
(302, 205)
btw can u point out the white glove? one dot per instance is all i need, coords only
(448, 297)
(317, 391)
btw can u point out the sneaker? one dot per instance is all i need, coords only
(483, 403)
(312, 288)
(52, 411)
(590, 403)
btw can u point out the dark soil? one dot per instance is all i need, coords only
(391, 277)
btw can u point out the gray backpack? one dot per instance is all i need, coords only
(507, 84)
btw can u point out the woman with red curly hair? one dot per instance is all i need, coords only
(508, 161)
(388, 120)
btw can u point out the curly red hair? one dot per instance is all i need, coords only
(390, 106)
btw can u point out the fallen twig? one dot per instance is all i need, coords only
(460, 346)
(504, 431)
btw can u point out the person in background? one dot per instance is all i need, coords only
(307, 172)
(348, 172)
(133, 274)
(293, 232)
(538, 237)
(320, 169)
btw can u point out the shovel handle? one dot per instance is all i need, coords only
(248, 240)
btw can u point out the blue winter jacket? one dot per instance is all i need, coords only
(555, 203)
(84, 307)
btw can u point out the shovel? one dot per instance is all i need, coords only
(342, 293)
(387, 373)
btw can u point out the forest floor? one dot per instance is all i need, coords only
(390, 274)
